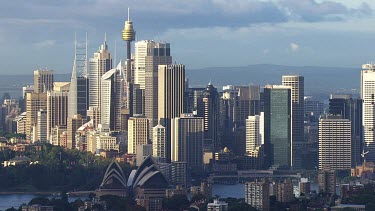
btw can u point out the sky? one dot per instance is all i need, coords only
(203, 33)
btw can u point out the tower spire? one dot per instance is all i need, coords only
(128, 14)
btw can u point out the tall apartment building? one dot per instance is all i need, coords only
(284, 191)
(43, 80)
(368, 109)
(34, 103)
(171, 94)
(156, 54)
(327, 181)
(57, 110)
(296, 84)
(137, 133)
(111, 99)
(42, 126)
(277, 124)
(335, 143)
(351, 109)
(159, 142)
(98, 65)
(257, 194)
(187, 140)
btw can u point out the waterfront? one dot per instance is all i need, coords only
(223, 191)
(15, 200)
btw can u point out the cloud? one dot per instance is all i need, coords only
(294, 47)
(45, 44)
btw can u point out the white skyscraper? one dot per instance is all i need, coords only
(335, 143)
(368, 109)
(143, 49)
(98, 65)
(111, 99)
(254, 132)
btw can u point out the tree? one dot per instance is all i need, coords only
(177, 202)
(40, 201)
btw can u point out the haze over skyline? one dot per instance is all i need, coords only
(40, 34)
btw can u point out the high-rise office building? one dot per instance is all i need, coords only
(314, 108)
(34, 103)
(247, 104)
(78, 94)
(257, 194)
(296, 84)
(351, 109)
(154, 54)
(187, 140)
(73, 123)
(277, 123)
(137, 133)
(43, 81)
(254, 132)
(368, 109)
(57, 110)
(211, 102)
(42, 126)
(111, 99)
(171, 82)
(335, 143)
(98, 65)
(159, 137)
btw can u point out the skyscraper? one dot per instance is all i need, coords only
(111, 99)
(368, 106)
(128, 35)
(57, 109)
(34, 103)
(351, 109)
(335, 143)
(277, 123)
(296, 84)
(154, 54)
(78, 94)
(211, 102)
(43, 80)
(254, 132)
(98, 65)
(137, 133)
(171, 91)
(187, 140)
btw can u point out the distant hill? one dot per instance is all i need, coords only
(317, 79)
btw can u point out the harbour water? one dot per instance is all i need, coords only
(16, 200)
(223, 191)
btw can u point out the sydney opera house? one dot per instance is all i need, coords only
(146, 184)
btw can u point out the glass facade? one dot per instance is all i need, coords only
(277, 108)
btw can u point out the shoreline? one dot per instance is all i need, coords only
(73, 193)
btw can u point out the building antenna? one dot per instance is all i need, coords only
(115, 52)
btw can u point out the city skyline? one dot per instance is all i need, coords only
(277, 32)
